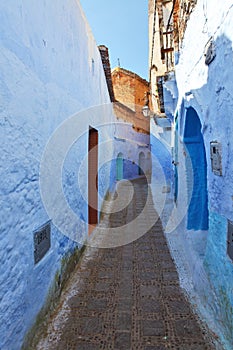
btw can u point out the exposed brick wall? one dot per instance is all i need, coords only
(182, 11)
(126, 114)
(130, 90)
(124, 88)
(107, 70)
(176, 25)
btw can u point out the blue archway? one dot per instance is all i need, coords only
(196, 168)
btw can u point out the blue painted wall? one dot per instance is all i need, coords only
(130, 144)
(220, 272)
(162, 155)
(50, 70)
(119, 166)
(207, 89)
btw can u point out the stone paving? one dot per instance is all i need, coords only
(127, 297)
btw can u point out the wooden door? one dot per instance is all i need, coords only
(92, 179)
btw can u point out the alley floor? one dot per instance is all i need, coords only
(127, 297)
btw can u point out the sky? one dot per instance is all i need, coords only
(122, 26)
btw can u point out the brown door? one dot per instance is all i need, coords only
(92, 179)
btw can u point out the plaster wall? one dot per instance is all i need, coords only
(209, 90)
(131, 143)
(50, 70)
(162, 172)
(130, 89)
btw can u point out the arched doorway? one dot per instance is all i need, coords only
(119, 167)
(141, 167)
(148, 163)
(196, 170)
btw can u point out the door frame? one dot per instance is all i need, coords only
(92, 178)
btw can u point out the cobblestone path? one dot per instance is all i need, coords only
(127, 297)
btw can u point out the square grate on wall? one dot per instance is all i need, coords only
(230, 240)
(42, 242)
(216, 157)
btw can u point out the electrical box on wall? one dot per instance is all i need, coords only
(216, 157)
(230, 240)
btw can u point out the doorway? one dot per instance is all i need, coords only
(119, 167)
(141, 167)
(92, 179)
(196, 170)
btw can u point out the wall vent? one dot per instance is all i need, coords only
(42, 242)
(216, 157)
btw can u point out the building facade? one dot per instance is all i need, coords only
(130, 91)
(201, 220)
(132, 133)
(50, 70)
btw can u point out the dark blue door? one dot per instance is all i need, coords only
(196, 168)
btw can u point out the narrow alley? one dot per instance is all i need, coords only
(116, 191)
(126, 297)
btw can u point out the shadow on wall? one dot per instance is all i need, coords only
(141, 164)
(160, 155)
(214, 102)
(215, 99)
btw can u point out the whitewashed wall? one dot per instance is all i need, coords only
(130, 144)
(209, 90)
(50, 69)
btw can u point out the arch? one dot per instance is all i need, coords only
(196, 170)
(141, 163)
(148, 157)
(148, 163)
(119, 166)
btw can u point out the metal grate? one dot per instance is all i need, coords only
(42, 242)
(216, 157)
(160, 81)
